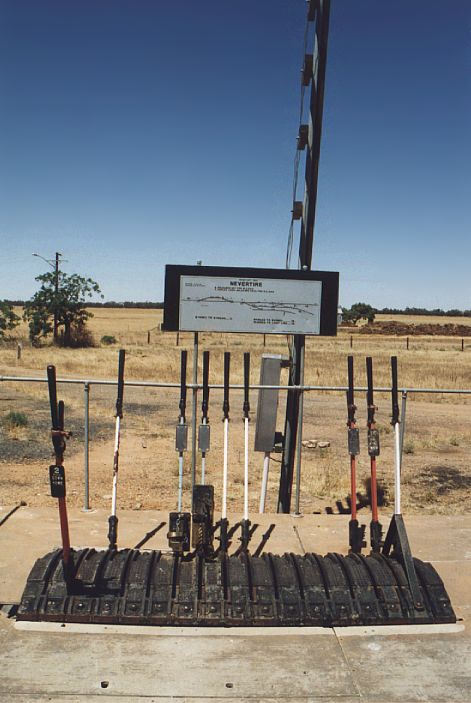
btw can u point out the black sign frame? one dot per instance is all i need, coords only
(329, 299)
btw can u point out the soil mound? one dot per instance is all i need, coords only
(404, 329)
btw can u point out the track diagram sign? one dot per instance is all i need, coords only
(263, 301)
(267, 305)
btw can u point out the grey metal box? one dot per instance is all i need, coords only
(267, 408)
(204, 438)
(181, 437)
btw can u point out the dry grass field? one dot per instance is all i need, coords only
(437, 473)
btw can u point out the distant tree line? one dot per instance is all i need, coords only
(363, 311)
(453, 312)
(144, 305)
(356, 308)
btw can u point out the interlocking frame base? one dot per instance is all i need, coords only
(155, 588)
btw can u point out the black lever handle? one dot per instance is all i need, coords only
(119, 399)
(182, 404)
(52, 385)
(369, 394)
(60, 419)
(205, 403)
(394, 391)
(227, 367)
(351, 407)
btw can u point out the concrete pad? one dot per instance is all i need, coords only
(7, 510)
(281, 538)
(329, 533)
(63, 664)
(4, 510)
(48, 662)
(41, 527)
(434, 667)
(454, 542)
(456, 575)
(323, 533)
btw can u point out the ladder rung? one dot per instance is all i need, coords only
(311, 10)
(297, 210)
(303, 137)
(306, 73)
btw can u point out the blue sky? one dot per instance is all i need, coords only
(135, 134)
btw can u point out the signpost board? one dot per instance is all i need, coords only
(250, 300)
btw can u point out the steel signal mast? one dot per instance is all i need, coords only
(309, 138)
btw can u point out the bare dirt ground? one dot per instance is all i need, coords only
(436, 468)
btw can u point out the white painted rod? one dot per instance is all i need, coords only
(180, 481)
(203, 459)
(115, 465)
(397, 469)
(114, 494)
(246, 469)
(224, 470)
(263, 492)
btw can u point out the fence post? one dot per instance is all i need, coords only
(86, 399)
(351, 341)
(148, 337)
(18, 351)
(462, 344)
(407, 342)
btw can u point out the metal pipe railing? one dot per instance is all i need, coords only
(240, 386)
(88, 383)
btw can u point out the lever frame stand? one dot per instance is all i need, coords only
(397, 544)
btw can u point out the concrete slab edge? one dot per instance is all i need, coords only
(8, 697)
(394, 630)
(231, 632)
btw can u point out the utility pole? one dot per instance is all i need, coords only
(309, 137)
(56, 295)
